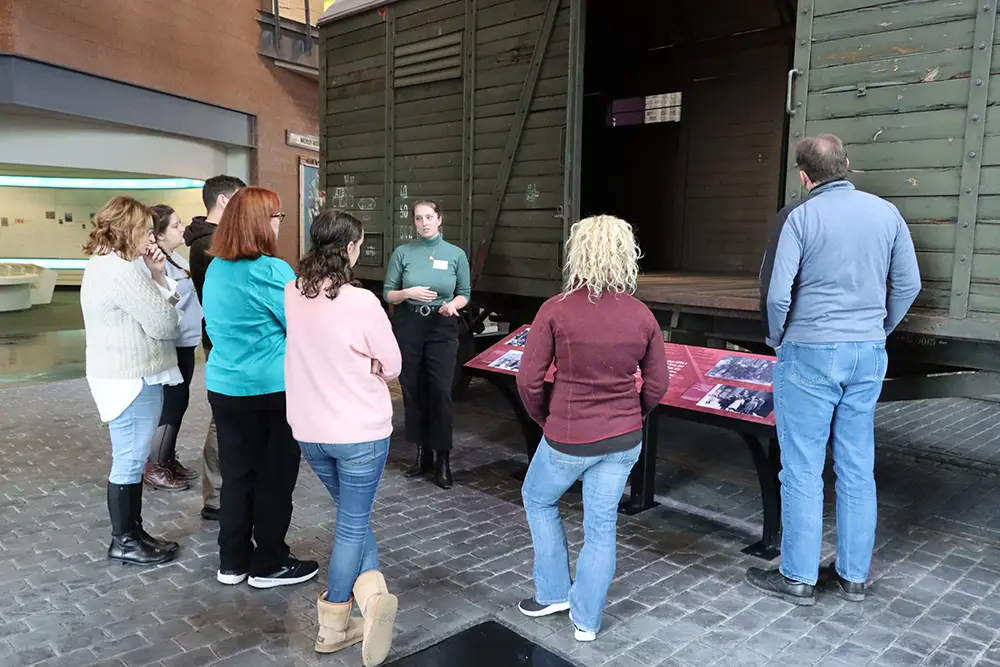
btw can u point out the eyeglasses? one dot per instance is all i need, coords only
(279, 215)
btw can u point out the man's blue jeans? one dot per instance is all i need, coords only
(826, 393)
(550, 475)
(351, 473)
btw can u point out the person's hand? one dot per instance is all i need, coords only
(422, 294)
(155, 261)
(376, 367)
(448, 310)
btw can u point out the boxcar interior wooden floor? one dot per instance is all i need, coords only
(684, 136)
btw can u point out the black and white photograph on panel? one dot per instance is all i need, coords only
(510, 361)
(519, 339)
(744, 369)
(739, 400)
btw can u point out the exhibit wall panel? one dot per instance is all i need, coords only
(51, 223)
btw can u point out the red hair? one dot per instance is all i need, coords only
(245, 230)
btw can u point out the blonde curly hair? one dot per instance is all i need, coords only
(602, 255)
(123, 225)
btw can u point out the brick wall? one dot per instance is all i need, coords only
(204, 50)
(6, 25)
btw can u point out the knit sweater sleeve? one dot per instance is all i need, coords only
(137, 296)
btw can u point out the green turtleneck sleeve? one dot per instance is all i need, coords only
(432, 263)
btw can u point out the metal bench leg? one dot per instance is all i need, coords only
(643, 477)
(768, 464)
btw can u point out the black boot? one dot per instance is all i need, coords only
(126, 541)
(442, 470)
(147, 539)
(421, 464)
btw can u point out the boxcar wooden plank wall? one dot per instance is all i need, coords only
(428, 116)
(525, 254)
(421, 98)
(895, 80)
(353, 126)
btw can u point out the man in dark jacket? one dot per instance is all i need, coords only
(216, 193)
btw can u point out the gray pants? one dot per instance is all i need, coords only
(211, 478)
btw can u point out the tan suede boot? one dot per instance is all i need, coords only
(337, 630)
(378, 607)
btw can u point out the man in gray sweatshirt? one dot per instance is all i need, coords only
(839, 275)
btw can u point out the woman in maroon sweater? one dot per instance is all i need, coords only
(597, 335)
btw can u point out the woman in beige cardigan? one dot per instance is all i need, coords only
(131, 325)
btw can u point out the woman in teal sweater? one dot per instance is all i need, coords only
(428, 278)
(244, 303)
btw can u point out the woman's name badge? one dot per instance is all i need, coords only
(441, 264)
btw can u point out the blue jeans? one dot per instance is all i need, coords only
(132, 434)
(826, 393)
(550, 475)
(351, 473)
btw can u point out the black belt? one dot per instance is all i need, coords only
(423, 309)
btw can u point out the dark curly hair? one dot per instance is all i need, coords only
(327, 267)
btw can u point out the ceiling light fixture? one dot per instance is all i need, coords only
(100, 183)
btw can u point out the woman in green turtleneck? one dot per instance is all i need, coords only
(428, 278)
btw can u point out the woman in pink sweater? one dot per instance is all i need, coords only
(340, 355)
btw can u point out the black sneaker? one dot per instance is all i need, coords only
(848, 590)
(777, 585)
(531, 608)
(292, 572)
(210, 513)
(231, 577)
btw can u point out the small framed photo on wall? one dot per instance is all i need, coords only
(311, 200)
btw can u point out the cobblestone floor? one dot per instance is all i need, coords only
(460, 557)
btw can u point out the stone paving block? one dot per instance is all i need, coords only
(154, 653)
(945, 659)
(236, 644)
(964, 647)
(681, 632)
(29, 656)
(742, 659)
(874, 638)
(830, 631)
(652, 651)
(205, 636)
(699, 653)
(933, 628)
(807, 650)
(668, 613)
(75, 658)
(626, 609)
(947, 613)
(898, 657)
(852, 654)
(625, 661)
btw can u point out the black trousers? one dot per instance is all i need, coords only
(259, 460)
(429, 347)
(177, 397)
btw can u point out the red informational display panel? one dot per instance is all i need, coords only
(733, 384)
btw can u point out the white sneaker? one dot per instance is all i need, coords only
(531, 608)
(584, 636)
(230, 577)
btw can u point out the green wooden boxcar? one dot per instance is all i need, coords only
(521, 116)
